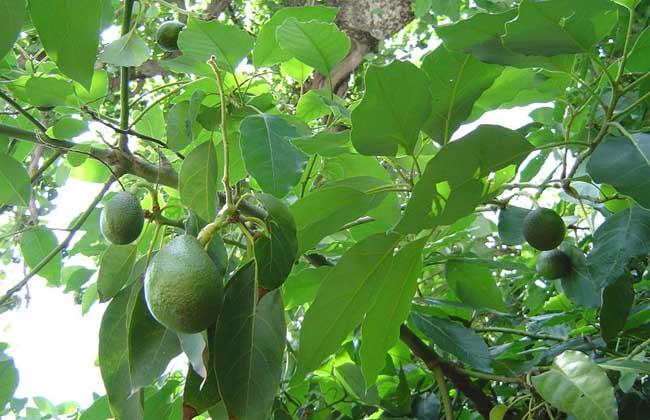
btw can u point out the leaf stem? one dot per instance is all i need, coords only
(212, 62)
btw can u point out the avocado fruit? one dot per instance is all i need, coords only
(167, 35)
(122, 219)
(544, 229)
(183, 287)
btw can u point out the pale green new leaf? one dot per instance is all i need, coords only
(128, 51)
(346, 294)
(35, 245)
(578, 386)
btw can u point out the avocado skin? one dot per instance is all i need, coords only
(122, 219)
(183, 287)
(553, 264)
(544, 229)
(167, 35)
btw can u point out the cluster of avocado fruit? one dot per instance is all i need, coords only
(544, 230)
(183, 287)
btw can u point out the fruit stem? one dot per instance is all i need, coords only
(207, 233)
(212, 62)
(152, 191)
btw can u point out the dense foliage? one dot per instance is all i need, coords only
(306, 198)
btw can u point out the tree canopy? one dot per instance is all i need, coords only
(300, 197)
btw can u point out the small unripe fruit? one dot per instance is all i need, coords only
(544, 229)
(553, 264)
(122, 219)
(167, 35)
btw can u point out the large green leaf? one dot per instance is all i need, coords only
(317, 44)
(150, 345)
(452, 184)
(482, 36)
(622, 236)
(13, 12)
(229, 44)
(15, 186)
(35, 245)
(556, 27)
(329, 208)
(347, 292)
(578, 386)
(275, 164)
(380, 329)
(457, 80)
(618, 299)
(128, 51)
(395, 105)
(474, 284)
(267, 51)
(624, 163)
(250, 349)
(639, 59)
(115, 269)
(198, 180)
(69, 32)
(463, 343)
(114, 362)
(8, 380)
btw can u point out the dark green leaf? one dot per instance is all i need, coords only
(267, 51)
(395, 105)
(69, 32)
(474, 284)
(380, 329)
(463, 343)
(200, 394)
(274, 163)
(114, 363)
(15, 186)
(251, 337)
(580, 286)
(35, 245)
(558, 27)
(12, 12)
(198, 181)
(150, 345)
(317, 44)
(181, 126)
(578, 386)
(624, 163)
(347, 292)
(639, 59)
(229, 44)
(511, 220)
(618, 299)
(622, 236)
(115, 269)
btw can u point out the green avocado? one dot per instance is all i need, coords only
(122, 219)
(553, 264)
(167, 35)
(183, 287)
(544, 229)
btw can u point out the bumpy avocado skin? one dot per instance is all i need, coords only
(167, 35)
(122, 219)
(544, 229)
(183, 288)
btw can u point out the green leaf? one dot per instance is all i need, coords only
(452, 183)
(35, 245)
(558, 27)
(13, 12)
(295, 69)
(269, 157)
(8, 380)
(380, 329)
(347, 292)
(618, 299)
(639, 59)
(317, 44)
(330, 207)
(181, 126)
(152, 123)
(312, 105)
(150, 345)
(579, 286)
(198, 180)
(249, 355)
(463, 343)
(193, 345)
(128, 51)
(115, 269)
(511, 220)
(229, 44)
(394, 108)
(74, 277)
(474, 284)
(201, 394)
(48, 91)
(267, 52)
(114, 363)
(67, 128)
(630, 4)
(629, 171)
(622, 236)
(457, 80)
(69, 32)
(626, 365)
(15, 186)
(577, 386)
(325, 143)
(301, 286)
(99, 410)
(275, 255)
